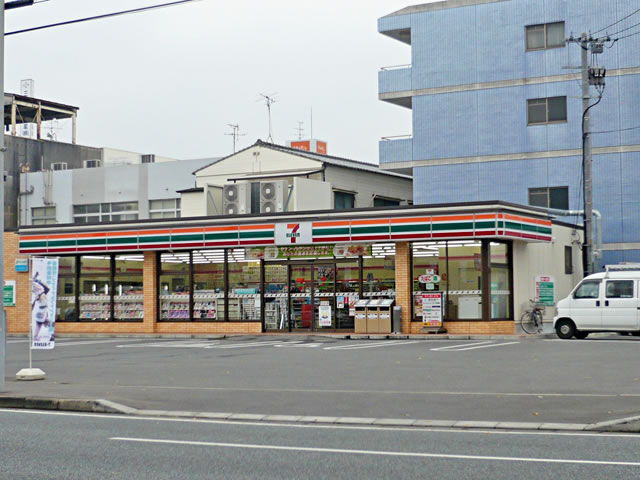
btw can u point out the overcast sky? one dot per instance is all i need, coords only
(169, 81)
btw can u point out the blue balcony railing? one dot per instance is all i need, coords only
(394, 79)
(396, 149)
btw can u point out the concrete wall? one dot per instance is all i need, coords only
(533, 259)
(123, 183)
(368, 184)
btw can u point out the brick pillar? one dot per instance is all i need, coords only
(18, 317)
(403, 283)
(150, 288)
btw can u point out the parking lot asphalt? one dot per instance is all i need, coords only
(494, 380)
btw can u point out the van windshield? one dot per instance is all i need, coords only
(588, 289)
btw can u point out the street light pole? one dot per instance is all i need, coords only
(3, 319)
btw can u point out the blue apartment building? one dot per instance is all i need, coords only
(497, 114)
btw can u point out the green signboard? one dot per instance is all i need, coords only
(307, 251)
(10, 293)
(545, 290)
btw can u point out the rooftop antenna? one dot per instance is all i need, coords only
(269, 100)
(235, 133)
(300, 130)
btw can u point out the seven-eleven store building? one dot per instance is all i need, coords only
(253, 274)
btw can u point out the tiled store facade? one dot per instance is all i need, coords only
(251, 274)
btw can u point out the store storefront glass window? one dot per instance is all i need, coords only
(66, 302)
(95, 288)
(128, 298)
(500, 281)
(429, 273)
(175, 286)
(379, 277)
(244, 286)
(208, 285)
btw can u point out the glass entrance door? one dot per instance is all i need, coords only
(300, 291)
(324, 286)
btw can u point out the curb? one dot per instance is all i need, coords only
(631, 424)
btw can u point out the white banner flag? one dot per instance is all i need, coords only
(44, 292)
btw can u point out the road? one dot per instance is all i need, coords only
(518, 379)
(56, 445)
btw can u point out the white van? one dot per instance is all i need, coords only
(602, 302)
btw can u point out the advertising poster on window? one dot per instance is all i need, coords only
(324, 312)
(44, 286)
(432, 309)
(545, 290)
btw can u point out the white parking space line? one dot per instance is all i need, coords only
(450, 347)
(360, 346)
(295, 345)
(486, 346)
(374, 452)
(73, 343)
(179, 344)
(256, 344)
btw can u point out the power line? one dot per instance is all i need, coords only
(615, 23)
(99, 17)
(618, 130)
(625, 29)
(626, 36)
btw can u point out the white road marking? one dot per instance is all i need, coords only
(458, 346)
(174, 344)
(105, 416)
(360, 346)
(304, 345)
(376, 452)
(257, 344)
(484, 346)
(72, 343)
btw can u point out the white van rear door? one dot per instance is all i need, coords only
(620, 311)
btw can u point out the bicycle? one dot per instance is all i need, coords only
(531, 320)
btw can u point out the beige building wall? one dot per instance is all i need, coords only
(368, 184)
(534, 259)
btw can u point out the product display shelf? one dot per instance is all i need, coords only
(128, 307)
(207, 305)
(174, 307)
(95, 307)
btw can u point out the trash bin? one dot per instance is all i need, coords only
(397, 319)
(373, 316)
(361, 316)
(384, 315)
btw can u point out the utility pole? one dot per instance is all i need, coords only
(587, 249)
(3, 319)
(590, 76)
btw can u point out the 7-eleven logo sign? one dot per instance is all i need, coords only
(293, 232)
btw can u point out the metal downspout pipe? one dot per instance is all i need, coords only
(597, 252)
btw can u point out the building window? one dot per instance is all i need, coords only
(550, 197)
(168, 208)
(385, 202)
(541, 111)
(105, 212)
(43, 215)
(568, 260)
(344, 200)
(546, 35)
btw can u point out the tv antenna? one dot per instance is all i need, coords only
(268, 101)
(300, 130)
(235, 133)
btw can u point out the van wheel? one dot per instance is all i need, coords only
(581, 335)
(565, 329)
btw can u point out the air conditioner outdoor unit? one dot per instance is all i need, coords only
(148, 158)
(236, 199)
(91, 163)
(273, 195)
(59, 166)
